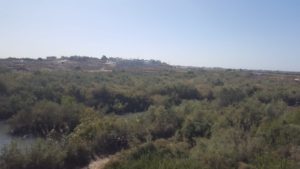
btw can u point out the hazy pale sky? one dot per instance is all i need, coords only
(254, 34)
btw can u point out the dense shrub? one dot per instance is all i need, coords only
(78, 153)
(5, 109)
(154, 155)
(113, 102)
(45, 117)
(196, 128)
(228, 96)
(211, 119)
(162, 123)
(291, 98)
(103, 135)
(46, 155)
(181, 92)
(3, 88)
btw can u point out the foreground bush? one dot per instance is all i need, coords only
(45, 117)
(46, 155)
(159, 154)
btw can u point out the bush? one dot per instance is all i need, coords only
(159, 154)
(78, 153)
(162, 123)
(46, 117)
(43, 154)
(104, 136)
(3, 88)
(291, 98)
(12, 158)
(196, 128)
(269, 160)
(181, 91)
(283, 134)
(113, 102)
(228, 96)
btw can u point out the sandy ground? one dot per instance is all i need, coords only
(98, 163)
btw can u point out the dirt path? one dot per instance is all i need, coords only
(99, 163)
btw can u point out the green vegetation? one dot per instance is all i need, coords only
(209, 119)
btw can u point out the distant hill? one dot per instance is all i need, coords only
(84, 63)
(105, 64)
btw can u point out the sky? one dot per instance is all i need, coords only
(248, 34)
